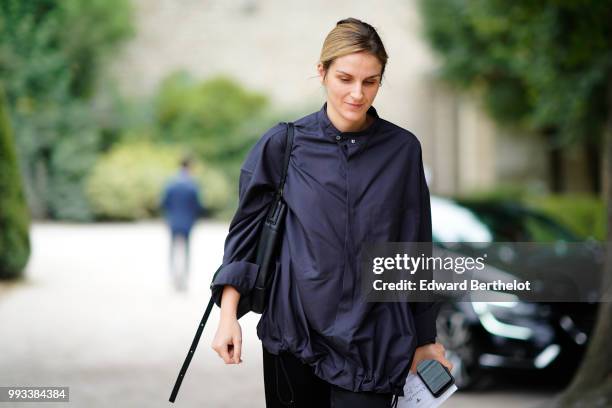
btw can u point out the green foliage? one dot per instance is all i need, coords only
(127, 183)
(50, 47)
(542, 64)
(501, 192)
(217, 119)
(93, 30)
(51, 57)
(215, 116)
(52, 54)
(584, 214)
(14, 217)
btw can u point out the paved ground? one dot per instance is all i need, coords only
(97, 313)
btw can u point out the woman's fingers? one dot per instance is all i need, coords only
(441, 357)
(223, 349)
(434, 351)
(446, 363)
(228, 342)
(237, 349)
(224, 353)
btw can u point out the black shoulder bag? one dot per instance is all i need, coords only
(267, 247)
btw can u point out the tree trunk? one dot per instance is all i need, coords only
(556, 172)
(592, 384)
(592, 153)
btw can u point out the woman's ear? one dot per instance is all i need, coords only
(322, 73)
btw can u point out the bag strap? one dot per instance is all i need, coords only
(194, 345)
(288, 147)
(209, 307)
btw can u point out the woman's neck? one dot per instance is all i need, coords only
(347, 126)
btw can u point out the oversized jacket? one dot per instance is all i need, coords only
(342, 190)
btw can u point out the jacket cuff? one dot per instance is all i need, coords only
(241, 275)
(425, 324)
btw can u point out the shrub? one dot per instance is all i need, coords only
(14, 216)
(127, 182)
(584, 214)
(52, 57)
(215, 117)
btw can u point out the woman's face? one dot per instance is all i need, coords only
(351, 82)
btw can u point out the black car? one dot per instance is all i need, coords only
(486, 337)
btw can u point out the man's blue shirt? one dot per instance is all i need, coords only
(181, 203)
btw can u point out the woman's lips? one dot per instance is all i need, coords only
(354, 106)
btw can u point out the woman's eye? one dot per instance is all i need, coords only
(345, 80)
(370, 83)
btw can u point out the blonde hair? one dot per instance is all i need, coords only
(351, 35)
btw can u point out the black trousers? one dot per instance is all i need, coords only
(290, 383)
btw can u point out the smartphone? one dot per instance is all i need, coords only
(436, 377)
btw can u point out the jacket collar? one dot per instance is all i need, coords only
(331, 132)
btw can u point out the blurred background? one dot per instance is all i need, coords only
(101, 100)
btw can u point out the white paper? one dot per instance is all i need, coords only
(416, 394)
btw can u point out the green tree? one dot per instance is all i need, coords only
(14, 217)
(541, 66)
(52, 55)
(545, 66)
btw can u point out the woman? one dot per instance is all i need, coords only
(353, 178)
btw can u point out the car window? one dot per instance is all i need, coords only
(454, 223)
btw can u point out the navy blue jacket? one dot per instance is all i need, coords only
(342, 190)
(181, 203)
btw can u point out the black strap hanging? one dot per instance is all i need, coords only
(196, 339)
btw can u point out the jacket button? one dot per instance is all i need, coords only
(338, 137)
(352, 140)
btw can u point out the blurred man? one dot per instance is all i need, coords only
(182, 206)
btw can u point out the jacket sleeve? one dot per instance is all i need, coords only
(259, 177)
(424, 313)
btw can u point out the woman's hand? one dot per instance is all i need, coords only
(228, 340)
(434, 351)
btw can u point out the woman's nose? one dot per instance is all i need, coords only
(357, 92)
